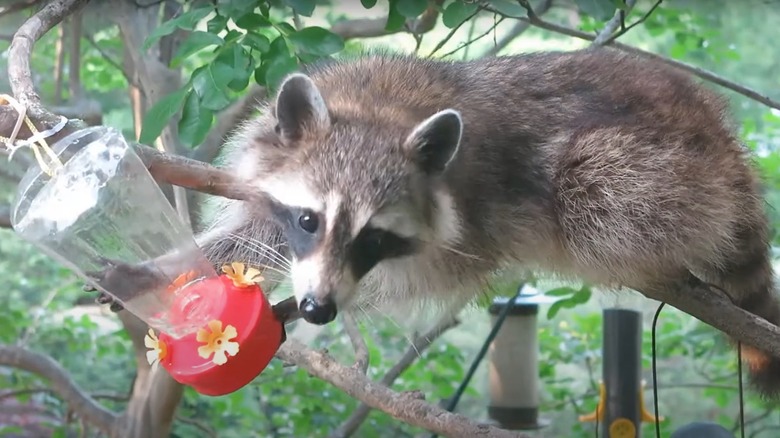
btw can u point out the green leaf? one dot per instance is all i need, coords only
(232, 35)
(210, 82)
(560, 291)
(279, 68)
(457, 12)
(555, 308)
(236, 9)
(195, 42)
(601, 10)
(368, 4)
(411, 8)
(241, 63)
(186, 21)
(285, 28)
(316, 41)
(581, 296)
(158, 115)
(195, 121)
(217, 24)
(395, 20)
(252, 21)
(303, 7)
(277, 49)
(257, 41)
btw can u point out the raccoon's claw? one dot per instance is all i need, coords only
(103, 298)
(115, 307)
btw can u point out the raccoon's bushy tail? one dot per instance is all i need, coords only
(751, 282)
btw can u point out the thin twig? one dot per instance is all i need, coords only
(641, 20)
(516, 30)
(420, 344)
(613, 24)
(453, 31)
(400, 406)
(358, 343)
(109, 59)
(707, 75)
(198, 424)
(473, 40)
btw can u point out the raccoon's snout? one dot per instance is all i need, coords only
(319, 312)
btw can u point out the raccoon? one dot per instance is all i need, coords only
(392, 179)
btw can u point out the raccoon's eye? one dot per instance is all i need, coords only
(308, 221)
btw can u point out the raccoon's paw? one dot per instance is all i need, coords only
(103, 298)
(126, 281)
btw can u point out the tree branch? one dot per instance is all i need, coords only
(375, 27)
(20, 52)
(81, 403)
(517, 30)
(18, 7)
(358, 343)
(401, 406)
(5, 216)
(612, 25)
(420, 344)
(109, 59)
(707, 75)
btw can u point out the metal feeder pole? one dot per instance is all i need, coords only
(621, 408)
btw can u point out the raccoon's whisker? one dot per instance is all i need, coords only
(281, 259)
(285, 274)
(456, 251)
(395, 323)
(267, 250)
(446, 247)
(263, 250)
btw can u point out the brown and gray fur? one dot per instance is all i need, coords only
(590, 164)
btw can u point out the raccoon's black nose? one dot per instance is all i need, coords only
(318, 312)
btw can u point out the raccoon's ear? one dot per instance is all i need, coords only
(435, 141)
(299, 105)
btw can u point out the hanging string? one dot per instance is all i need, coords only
(37, 142)
(741, 392)
(655, 372)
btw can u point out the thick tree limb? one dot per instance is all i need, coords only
(193, 174)
(40, 364)
(420, 344)
(707, 75)
(401, 406)
(20, 52)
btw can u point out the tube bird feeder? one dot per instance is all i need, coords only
(513, 364)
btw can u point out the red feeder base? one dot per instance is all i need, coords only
(259, 335)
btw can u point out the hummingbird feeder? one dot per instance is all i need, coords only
(97, 210)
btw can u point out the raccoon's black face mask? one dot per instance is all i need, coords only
(338, 181)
